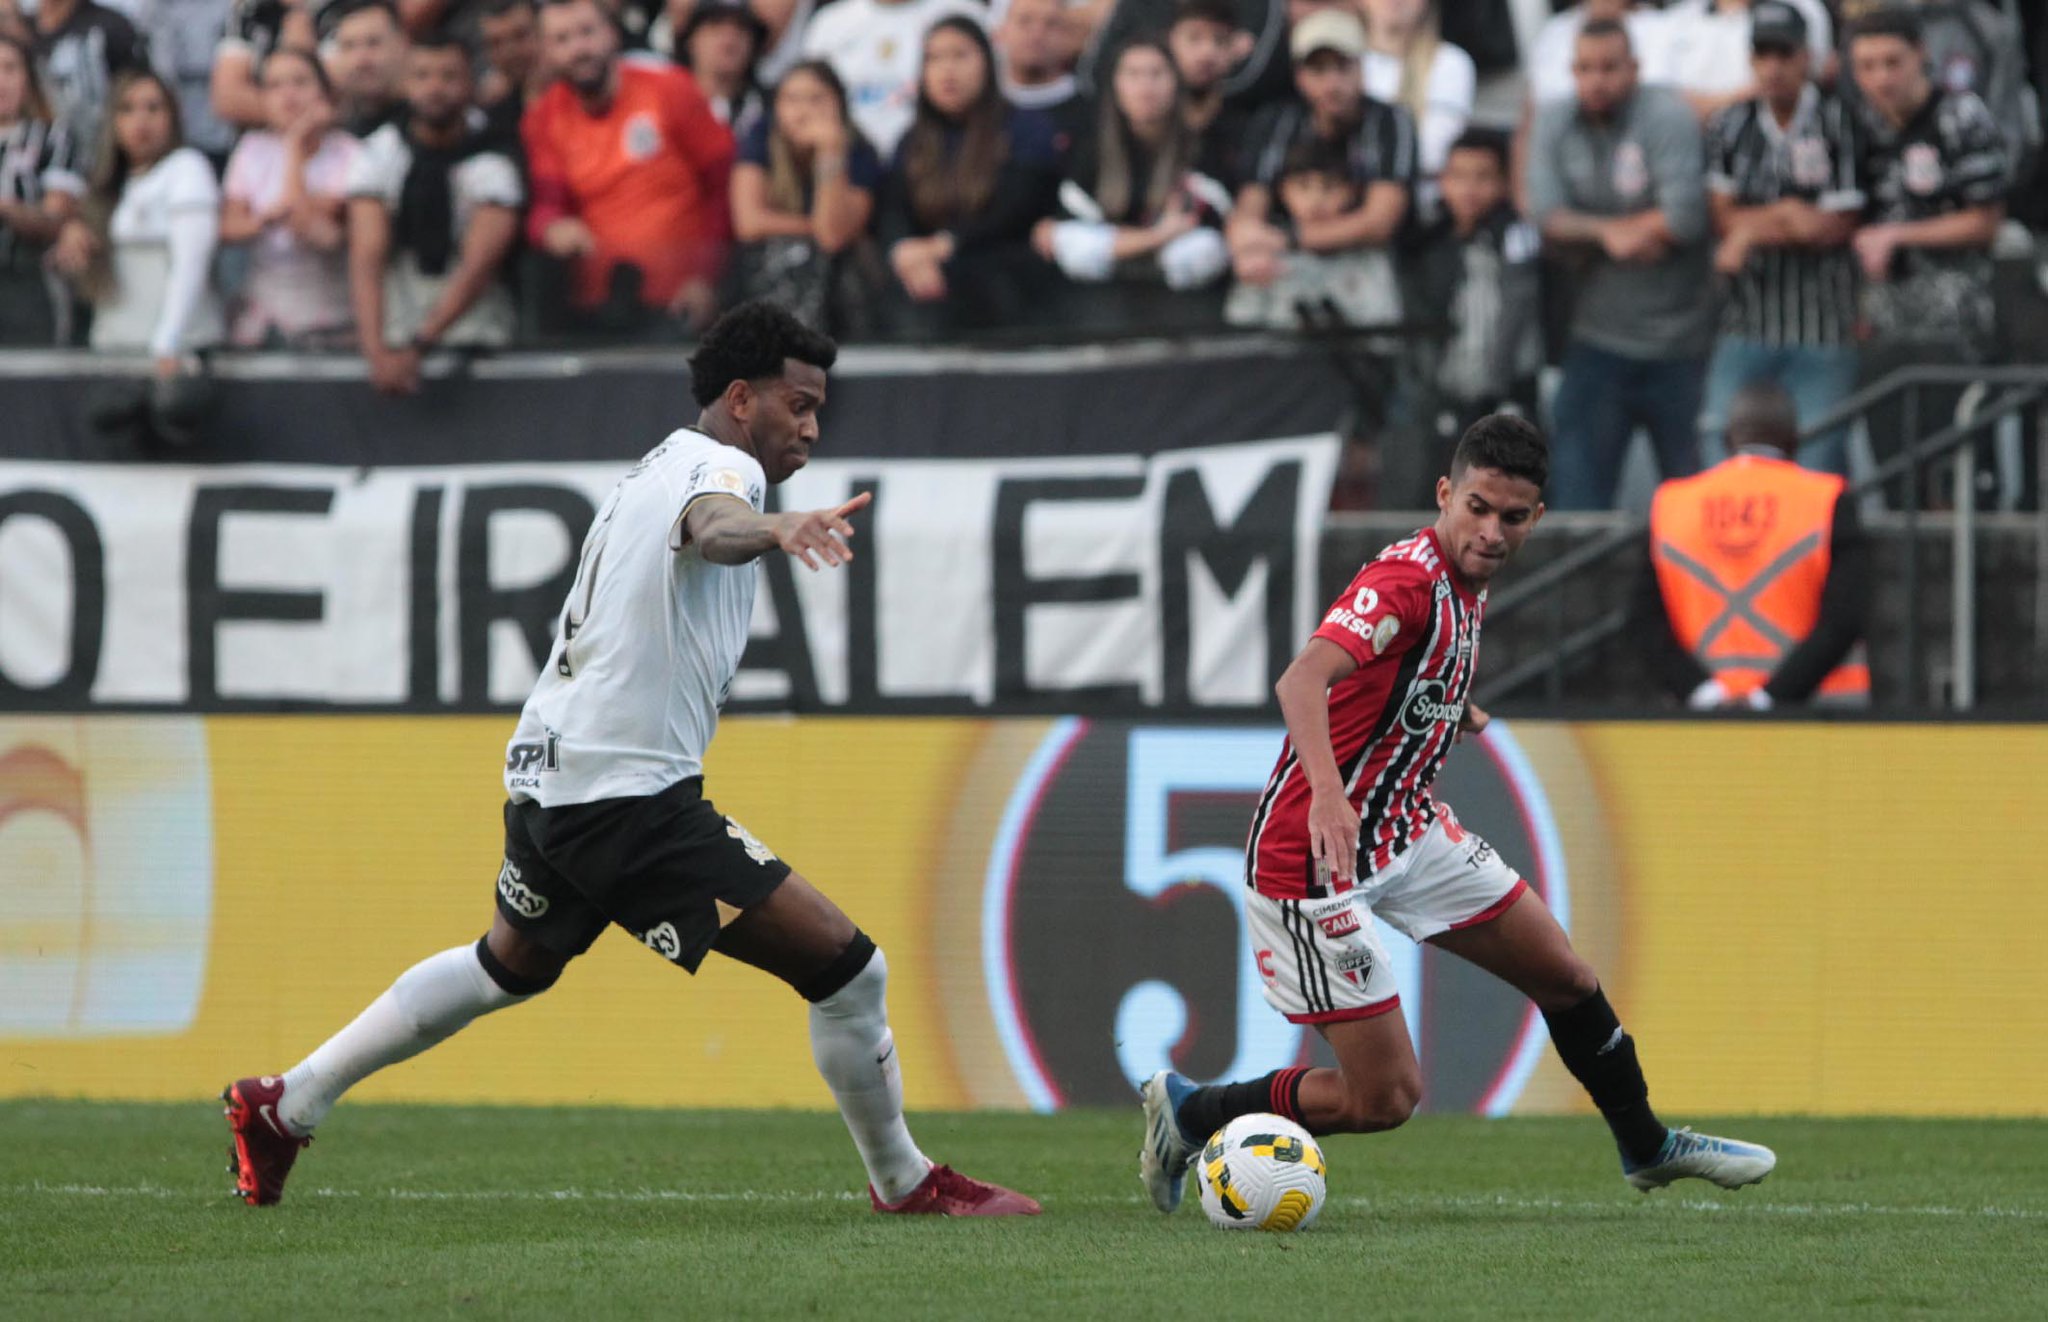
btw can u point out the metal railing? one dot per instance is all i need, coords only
(2022, 388)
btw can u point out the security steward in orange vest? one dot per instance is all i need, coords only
(1759, 582)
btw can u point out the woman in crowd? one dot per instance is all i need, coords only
(971, 178)
(1409, 65)
(286, 188)
(803, 191)
(39, 191)
(720, 44)
(1132, 205)
(142, 244)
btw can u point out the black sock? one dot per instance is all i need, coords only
(1603, 1059)
(1206, 1110)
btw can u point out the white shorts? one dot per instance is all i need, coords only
(1320, 959)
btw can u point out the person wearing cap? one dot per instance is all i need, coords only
(1785, 181)
(1706, 45)
(719, 45)
(1330, 107)
(1617, 187)
(1757, 591)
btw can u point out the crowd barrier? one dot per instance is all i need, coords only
(1828, 919)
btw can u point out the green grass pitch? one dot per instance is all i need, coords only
(121, 1211)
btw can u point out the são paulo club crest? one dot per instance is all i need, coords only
(1112, 931)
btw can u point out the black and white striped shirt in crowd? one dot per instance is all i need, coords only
(1380, 147)
(1949, 157)
(1790, 296)
(35, 159)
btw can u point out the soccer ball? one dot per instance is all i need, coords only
(1262, 1172)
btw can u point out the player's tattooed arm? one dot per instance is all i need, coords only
(727, 531)
(1304, 692)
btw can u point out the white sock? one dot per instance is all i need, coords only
(429, 1002)
(854, 1050)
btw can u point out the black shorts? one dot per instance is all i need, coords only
(668, 867)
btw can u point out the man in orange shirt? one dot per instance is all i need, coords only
(629, 169)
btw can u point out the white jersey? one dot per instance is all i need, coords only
(648, 640)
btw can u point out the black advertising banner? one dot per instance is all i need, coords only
(1094, 531)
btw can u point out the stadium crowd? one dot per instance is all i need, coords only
(1682, 200)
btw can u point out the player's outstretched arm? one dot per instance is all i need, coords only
(729, 532)
(1304, 692)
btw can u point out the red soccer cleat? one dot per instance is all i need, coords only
(264, 1149)
(946, 1192)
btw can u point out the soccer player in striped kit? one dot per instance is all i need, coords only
(1347, 831)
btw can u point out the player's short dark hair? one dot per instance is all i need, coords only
(1507, 443)
(1221, 12)
(752, 343)
(1889, 21)
(1491, 141)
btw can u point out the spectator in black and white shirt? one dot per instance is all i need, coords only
(1937, 170)
(83, 47)
(1784, 179)
(433, 212)
(1476, 265)
(1377, 141)
(40, 186)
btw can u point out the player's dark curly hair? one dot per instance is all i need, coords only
(1513, 445)
(751, 343)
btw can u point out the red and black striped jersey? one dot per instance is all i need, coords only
(1413, 627)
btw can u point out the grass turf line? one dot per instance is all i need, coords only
(403, 1211)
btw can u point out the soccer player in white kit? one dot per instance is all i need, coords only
(606, 820)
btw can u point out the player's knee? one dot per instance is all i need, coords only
(1386, 1105)
(1573, 981)
(516, 962)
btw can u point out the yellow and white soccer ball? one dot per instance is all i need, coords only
(1262, 1172)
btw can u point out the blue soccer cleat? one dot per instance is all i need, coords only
(1164, 1159)
(1686, 1155)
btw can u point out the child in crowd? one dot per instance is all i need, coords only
(1276, 282)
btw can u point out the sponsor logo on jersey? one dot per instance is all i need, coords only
(1920, 169)
(728, 479)
(1426, 708)
(757, 851)
(530, 756)
(1341, 923)
(517, 895)
(663, 940)
(1377, 633)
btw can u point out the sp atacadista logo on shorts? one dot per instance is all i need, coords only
(517, 896)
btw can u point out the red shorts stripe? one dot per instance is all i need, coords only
(1494, 910)
(1372, 1011)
